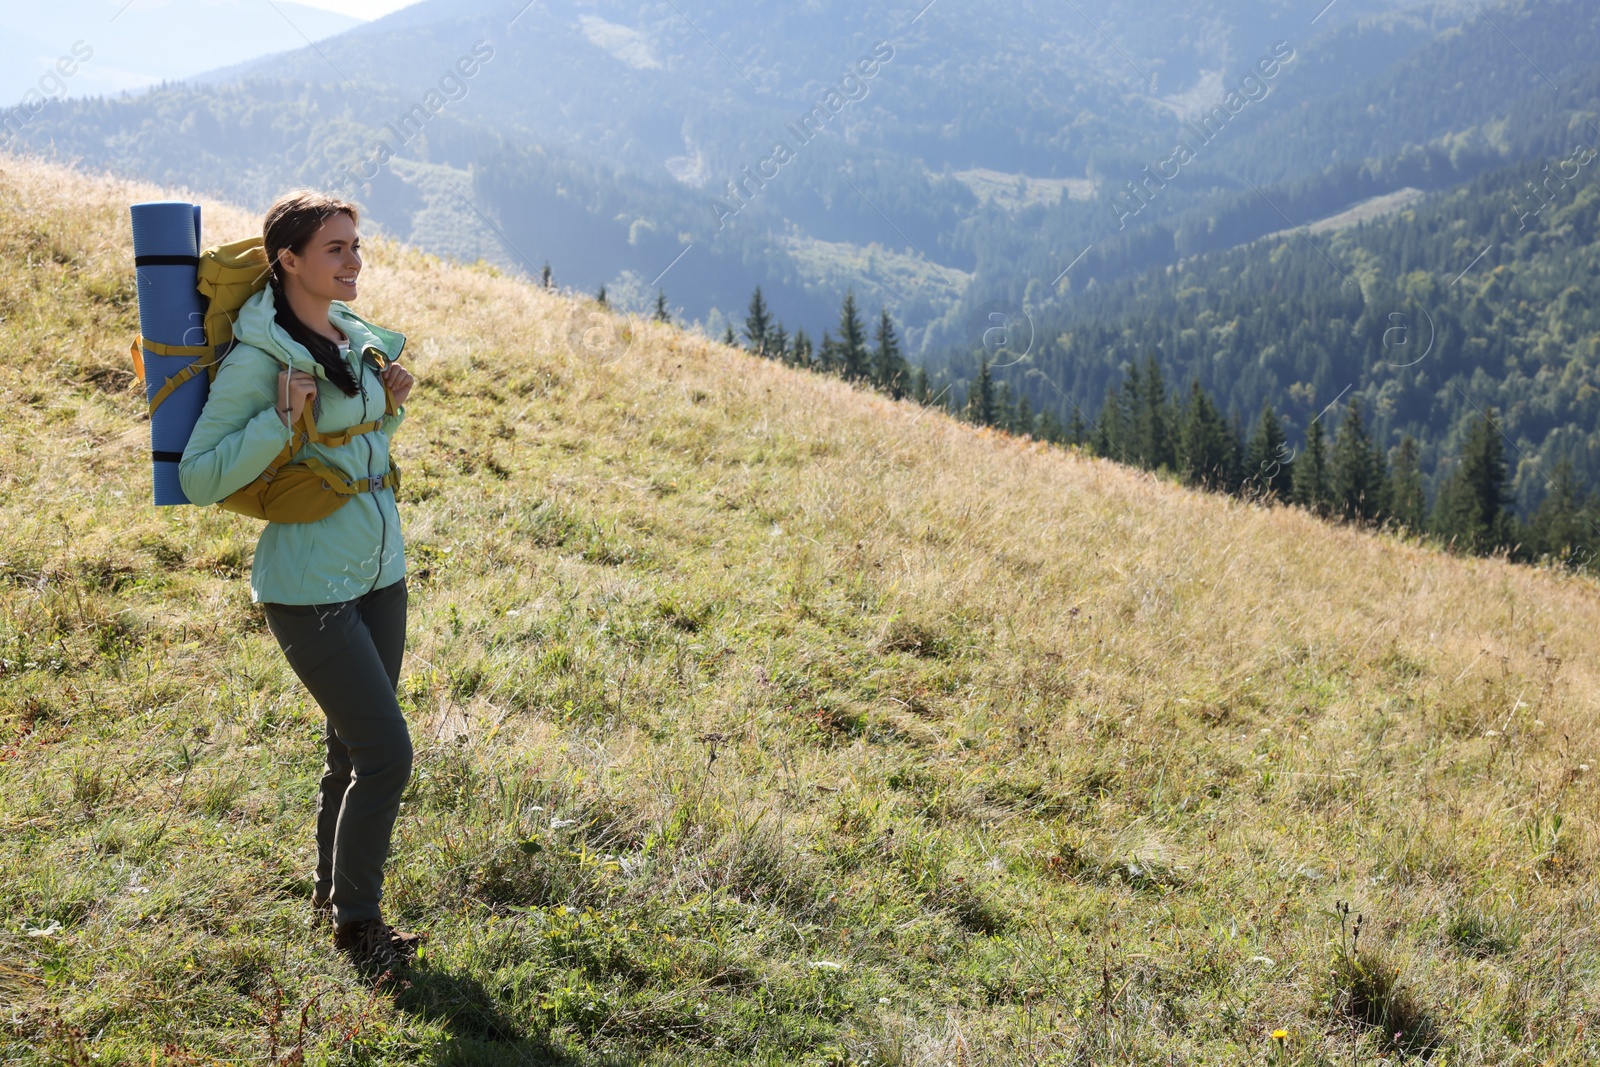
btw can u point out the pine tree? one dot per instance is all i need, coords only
(1005, 412)
(662, 314)
(600, 297)
(853, 357)
(919, 385)
(1311, 471)
(547, 277)
(1077, 432)
(1050, 428)
(1153, 445)
(1408, 505)
(828, 359)
(756, 324)
(1473, 510)
(1562, 528)
(1268, 467)
(980, 398)
(801, 349)
(1024, 423)
(777, 346)
(1357, 481)
(889, 368)
(729, 339)
(1110, 431)
(1206, 447)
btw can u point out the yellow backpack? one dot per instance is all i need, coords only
(304, 491)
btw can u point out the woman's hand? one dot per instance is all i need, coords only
(295, 388)
(399, 381)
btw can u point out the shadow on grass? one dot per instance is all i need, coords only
(480, 1033)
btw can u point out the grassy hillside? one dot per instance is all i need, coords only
(761, 720)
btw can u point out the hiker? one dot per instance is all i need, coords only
(333, 590)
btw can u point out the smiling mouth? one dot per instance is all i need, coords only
(346, 280)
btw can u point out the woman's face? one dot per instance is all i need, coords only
(327, 266)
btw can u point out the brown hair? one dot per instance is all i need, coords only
(291, 221)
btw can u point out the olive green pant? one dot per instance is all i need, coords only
(348, 655)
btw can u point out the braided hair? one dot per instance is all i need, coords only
(291, 221)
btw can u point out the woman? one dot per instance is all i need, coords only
(333, 591)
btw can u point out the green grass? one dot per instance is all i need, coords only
(760, 720)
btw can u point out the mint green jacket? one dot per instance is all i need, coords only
(356, 549)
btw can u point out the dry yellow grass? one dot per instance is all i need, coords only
(1060, 762)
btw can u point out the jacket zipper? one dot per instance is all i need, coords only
(383, 539)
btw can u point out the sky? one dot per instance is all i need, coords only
(361, 9)
(128, 45)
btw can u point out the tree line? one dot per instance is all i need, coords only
(1343, 475)
(847, 351)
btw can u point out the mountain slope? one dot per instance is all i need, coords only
(1473, 298)
(760, 720)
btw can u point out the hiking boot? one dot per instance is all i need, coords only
(406, 944)
(372, 946)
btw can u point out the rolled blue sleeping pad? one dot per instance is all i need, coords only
(166, 250)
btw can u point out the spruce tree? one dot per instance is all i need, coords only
(1473, 511)
(1311, 471)
(1152, 429)
(777, 346)
(854, 359)
(1206, 447)
(1005, 412)
(1077, 432)
(757, 321)
(800, 350)
(1357, 481)
(1050, 428)
(729, 339)
(980, 398)
(600, 297)
(1562, 528)
(1268, 467)
(662, 314)
(889, 368)
(1024, 422)
(1408, 505)
(1110, 431)
(547, 277)
(919, 385)
(828, 359)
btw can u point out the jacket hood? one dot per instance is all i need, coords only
(258, 326)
